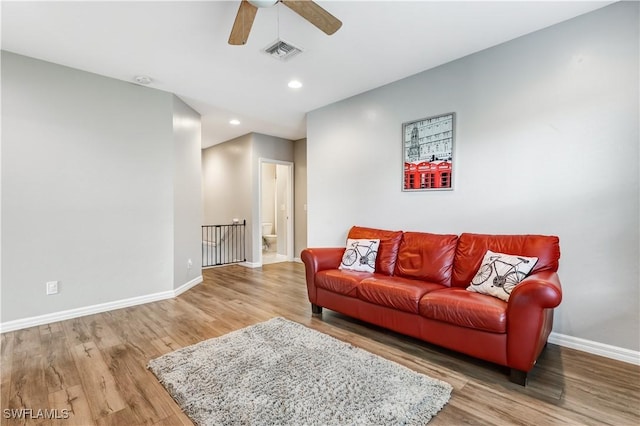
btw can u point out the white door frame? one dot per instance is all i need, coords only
(257, 240)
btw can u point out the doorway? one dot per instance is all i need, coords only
(276, 211)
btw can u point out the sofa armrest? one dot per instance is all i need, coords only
(542, 289)
(319, 259)
(530, 318)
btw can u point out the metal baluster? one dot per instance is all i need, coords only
(223, 244)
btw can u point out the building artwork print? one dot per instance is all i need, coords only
(428, 153)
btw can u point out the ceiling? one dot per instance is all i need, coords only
(183, 47)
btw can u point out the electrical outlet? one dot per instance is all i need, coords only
(52, 287)
(189, 264)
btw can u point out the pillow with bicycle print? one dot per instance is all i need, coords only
(499, 273)
(360, 255)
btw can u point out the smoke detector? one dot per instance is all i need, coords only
(282, 50)
(142, 79)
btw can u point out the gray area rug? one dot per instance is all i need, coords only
(280, 372)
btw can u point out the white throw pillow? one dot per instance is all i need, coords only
(499, 273)
(360, 255)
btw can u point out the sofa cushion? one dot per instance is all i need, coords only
(466, 309)
(472, 247)
(339, 281)
(388, 250)
(427, 257)
(360, 255)
(499, 274)
(395, 292)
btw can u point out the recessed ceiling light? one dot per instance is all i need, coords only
(234, 122)
(295, 84)
(142, 79)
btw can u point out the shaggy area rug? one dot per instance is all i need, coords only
(282, 373)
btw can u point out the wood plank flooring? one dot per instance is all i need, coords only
(93, 369)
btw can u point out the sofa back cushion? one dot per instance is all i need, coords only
(472, 248)
(388, 249)
(426, 257)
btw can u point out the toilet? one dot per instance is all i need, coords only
(269, 240)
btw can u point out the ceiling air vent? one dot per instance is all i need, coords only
(282, 50)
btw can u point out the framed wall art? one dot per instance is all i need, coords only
(427, 152)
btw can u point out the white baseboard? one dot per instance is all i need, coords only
(251, 264)
(95, 309)
(601, 349)
(186, 286)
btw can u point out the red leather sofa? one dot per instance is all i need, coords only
(419, 289)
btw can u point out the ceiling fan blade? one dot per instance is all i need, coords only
(242, 25)
(315, 14)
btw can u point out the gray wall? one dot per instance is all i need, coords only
(187, 194)
(547, 142)
(226, 181)
(300, 195)
(230, 179)
(88, 169)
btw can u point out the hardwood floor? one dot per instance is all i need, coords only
(93, 369)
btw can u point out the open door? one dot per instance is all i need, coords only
(276, 211)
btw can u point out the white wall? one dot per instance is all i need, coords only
(268, 196)
(88, 169)
(187, 194)
(282, 207)
(547, 142)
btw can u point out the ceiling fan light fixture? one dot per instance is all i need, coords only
(263, 3)
(307, 9)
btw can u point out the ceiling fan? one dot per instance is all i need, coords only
(308, 9)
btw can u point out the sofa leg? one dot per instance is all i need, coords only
(518, 377)
(315, 309)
